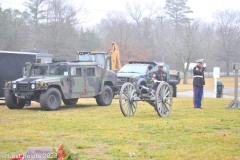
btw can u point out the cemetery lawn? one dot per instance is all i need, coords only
(104, 133)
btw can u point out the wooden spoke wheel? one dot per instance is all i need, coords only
(164, 99)
(127, 104)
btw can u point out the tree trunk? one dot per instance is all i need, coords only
(227, 68)
(185, 74)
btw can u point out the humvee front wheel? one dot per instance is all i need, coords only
(50, 100)
(70, 101)
(11, 101)
(105, 98)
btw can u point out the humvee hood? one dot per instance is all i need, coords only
(37, 79)
(27, 79)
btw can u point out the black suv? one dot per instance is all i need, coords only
(140, 73)
(136, 72)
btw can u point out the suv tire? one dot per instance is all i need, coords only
(11, 101)
(106, 96)
(50, 100)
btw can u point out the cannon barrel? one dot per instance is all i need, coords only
(141, 87)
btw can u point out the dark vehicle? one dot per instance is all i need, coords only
(140, 73)
(51, 83)
(11, 64)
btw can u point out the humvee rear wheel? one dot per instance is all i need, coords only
(70, 101)
(105, 98)
(11, 101)
(50, 100)
(164, 99)
(126, 95)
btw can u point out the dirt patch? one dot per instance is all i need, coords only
(98, 151)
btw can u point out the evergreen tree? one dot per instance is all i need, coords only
(177, 10)
(12, 29)
(34, 7)
(89, 40)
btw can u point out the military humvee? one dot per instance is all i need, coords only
(51, 83)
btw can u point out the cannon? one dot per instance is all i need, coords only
(161, 99)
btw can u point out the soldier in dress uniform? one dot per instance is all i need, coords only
(198, 83)
(159, 75)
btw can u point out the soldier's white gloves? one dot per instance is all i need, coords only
(154, 80)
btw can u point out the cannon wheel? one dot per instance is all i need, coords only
(164, 99)
(127, 105)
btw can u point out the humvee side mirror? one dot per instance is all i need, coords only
(73, 71)
(24, 72)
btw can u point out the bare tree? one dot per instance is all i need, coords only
(189, 46)
(135, 10)
(227, 36)
(145, 17)
(195, 45)
(60, 34)
(116, 28)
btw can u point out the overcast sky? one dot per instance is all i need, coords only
(99, 8)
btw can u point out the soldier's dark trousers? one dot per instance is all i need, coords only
(197, 96)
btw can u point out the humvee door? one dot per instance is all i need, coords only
(78, 83)
(92, 81)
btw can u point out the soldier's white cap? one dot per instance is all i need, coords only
(199, 60)
(160, 65)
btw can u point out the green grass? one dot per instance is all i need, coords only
(104, 133)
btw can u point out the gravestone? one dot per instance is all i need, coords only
(39, 153)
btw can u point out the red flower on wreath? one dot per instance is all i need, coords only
(60, 148)
(61, 153)
(18, 158)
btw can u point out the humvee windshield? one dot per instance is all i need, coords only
(99, 58)
(49, 69)
(86, 57)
